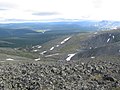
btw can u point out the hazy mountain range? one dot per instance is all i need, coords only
(104, 24)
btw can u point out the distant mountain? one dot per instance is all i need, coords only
(67, 25)
(15, 32)
(78, 26)
(107, 25)
(105, 43)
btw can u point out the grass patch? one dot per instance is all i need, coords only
(96, 77)
(18, 53)
(118, 88)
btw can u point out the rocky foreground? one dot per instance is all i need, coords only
(77, 75)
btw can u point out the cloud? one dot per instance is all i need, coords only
(3, 9)
(97, 3)
(14, 20)
(6, 6)
(45, 13)
(18, 20)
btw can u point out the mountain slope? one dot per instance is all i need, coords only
(81, 45)
(75, 46)
(15, 52)
(104, 44)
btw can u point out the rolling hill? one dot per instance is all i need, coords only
(5, 32)
(81, 45)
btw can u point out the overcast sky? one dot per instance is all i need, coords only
(43, 10)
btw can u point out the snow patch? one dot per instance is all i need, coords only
(39, 47)
(10, 59)
(65, 40)
(43, 52)
(92, 57)
(37, 59)
(119, 51)
(52, 48)
(114, 28)
(95, 32)
(33, 46)
(70, 56)
(109, 34)
(52, 55)
(57, 45)
(35, 50)
(82, 63)
(113, 36)
(108, 40)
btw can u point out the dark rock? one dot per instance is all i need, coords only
(59, 76)
(108, 77)
(23, 71)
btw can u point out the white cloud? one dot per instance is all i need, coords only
(68, 9)
(97, 3)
